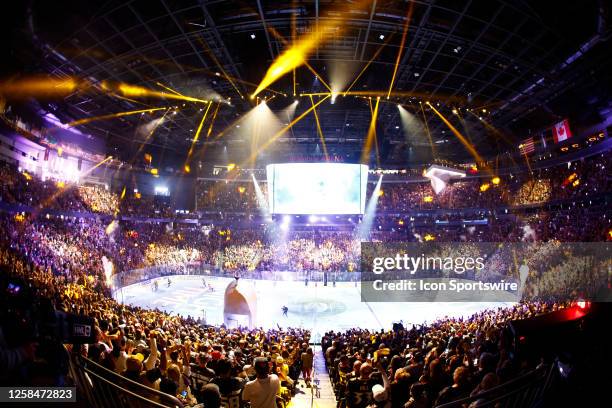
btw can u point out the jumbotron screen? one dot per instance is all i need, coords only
(317, 188)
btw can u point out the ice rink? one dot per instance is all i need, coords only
(316, 307)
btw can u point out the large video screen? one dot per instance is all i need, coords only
(317, 188)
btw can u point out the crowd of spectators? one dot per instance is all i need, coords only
(421, 366)
(65, 258)
(227, 196)
(20, 187)
(578, 179)
(201, 366)
(81, 242)
(429, 365)
(99, 199)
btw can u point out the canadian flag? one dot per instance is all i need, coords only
(561, 131)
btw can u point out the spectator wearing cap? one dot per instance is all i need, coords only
(215, 355)
(133, 367)
(262, 391)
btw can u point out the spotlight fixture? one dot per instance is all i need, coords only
(381, 37)
(455, 111)
(252, 36)
(416, 74)
(484, 111)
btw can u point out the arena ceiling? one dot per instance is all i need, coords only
(518, 60)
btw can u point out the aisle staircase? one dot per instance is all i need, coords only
(321, 394)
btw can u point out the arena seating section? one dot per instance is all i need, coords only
(54, 235)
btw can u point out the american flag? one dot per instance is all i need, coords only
(527, 146)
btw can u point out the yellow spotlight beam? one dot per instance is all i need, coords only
(186, 67)
(431, 143)
(110, 116)
(365, 154)
(293, 32)
(401, 47)
(129, 99)
(167, 88)
(212, 122)
(376, 147)
(210, 128)
(197, 135)
(141, 92)
(282, 39)
(296, 55)
(376, 54)
(314, 111)
(39, 86)
(462, 139)
(289, 126)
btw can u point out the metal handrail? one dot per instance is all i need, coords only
(524, 391)
(104, 388)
